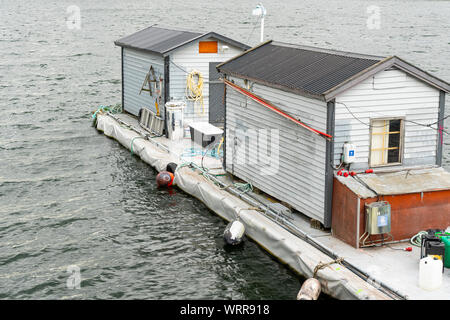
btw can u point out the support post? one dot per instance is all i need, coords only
(440, 125)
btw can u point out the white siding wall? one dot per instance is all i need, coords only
(300, 178)
(390, 93)
(190, 59)
(136, 64)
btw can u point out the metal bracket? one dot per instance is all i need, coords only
(366, 235)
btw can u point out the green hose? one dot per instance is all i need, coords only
(416, 240)
(117, 108)
(243, 187)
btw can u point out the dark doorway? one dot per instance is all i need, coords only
(216, 99)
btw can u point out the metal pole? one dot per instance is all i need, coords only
(262, 28)
(260, 11)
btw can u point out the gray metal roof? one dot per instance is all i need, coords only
(313, 72)
(161, 40)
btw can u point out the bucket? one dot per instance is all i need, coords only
(430, 273)
(174, 118)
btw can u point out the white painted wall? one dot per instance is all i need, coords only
(136, 64)
(190, 59)
(390, 93)
(300, 177)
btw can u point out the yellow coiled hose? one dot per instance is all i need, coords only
(194, 90)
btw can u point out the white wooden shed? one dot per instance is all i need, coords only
(316, 100)
(172, 54)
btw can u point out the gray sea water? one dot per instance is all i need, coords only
(72, 198)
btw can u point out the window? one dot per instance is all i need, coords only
(386, 141)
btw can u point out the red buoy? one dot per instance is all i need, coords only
(346, 174)
(369, 171)
(164, 179)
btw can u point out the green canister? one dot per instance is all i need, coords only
(446, 241)
(445, 237)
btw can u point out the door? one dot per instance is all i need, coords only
(216, 98)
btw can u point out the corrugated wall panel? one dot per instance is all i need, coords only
(391, 93)
(136, 64)
(188, 58)
(300, 178)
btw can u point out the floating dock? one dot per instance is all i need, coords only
(345, 272)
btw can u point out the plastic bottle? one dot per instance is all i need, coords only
(430, 273)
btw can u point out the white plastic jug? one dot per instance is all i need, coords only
(430, 273)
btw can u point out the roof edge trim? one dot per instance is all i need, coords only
(207, 35)
(357, 78)
(276, 86)
(243, 53)
(138, 49)
(330, 51)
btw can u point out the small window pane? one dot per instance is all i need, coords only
(394, 140)
(376, 158)
(393, 155)
(394, 125)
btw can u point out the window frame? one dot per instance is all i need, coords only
(401, 144)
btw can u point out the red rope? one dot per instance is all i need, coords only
(273, 108)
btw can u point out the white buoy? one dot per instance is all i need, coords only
(234, 232)
(310, 290)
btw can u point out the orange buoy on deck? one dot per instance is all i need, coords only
(164, 179)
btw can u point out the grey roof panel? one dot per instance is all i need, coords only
(162, 40)
(315, 72)
(299, 68)
(156, 39)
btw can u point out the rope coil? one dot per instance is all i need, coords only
(194, 90)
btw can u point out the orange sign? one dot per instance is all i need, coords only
(207, 47)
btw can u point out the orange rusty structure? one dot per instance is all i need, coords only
(410, 213)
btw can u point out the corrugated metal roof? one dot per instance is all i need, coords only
(309, 70)
(161, 40)
(156, 39)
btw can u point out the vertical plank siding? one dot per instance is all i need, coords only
(136, 64)
(189, 59)
(299, 179)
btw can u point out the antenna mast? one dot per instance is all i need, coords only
(260, 11)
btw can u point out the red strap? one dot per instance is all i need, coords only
(273, 108)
